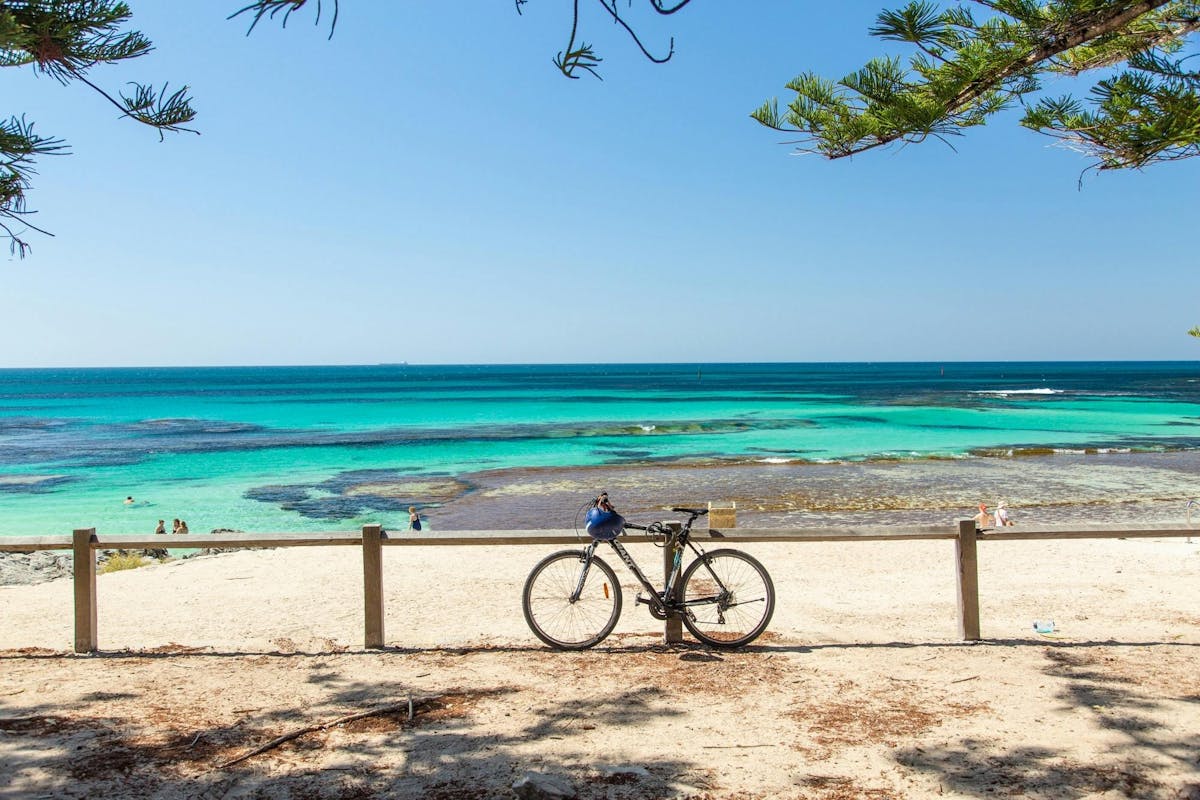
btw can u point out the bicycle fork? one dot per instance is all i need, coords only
(583, 573)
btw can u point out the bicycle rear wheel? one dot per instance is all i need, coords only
(551, 614)
(728, 598)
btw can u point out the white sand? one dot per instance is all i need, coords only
(860, 688)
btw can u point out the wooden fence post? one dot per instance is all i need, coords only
(84, 563)
(966, 557)
(673, 631)
(372, 545)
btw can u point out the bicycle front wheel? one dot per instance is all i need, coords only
(728, 598)
(554, 617)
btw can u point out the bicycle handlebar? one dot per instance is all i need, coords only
(653, 527)
(658, 526)
(695, 512)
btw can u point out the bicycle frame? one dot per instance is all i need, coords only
(660, 604)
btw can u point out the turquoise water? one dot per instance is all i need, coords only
(325, 448)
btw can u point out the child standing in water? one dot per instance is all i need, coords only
(414, 519)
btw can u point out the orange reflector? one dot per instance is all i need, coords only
(606, 590)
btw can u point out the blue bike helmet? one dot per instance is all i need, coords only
(603, 525)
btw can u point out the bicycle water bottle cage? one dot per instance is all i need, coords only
(603, 525)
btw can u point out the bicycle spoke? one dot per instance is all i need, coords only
(729, 598)
(551, 614)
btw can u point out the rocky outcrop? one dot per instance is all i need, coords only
(24, 569)
(213, 551)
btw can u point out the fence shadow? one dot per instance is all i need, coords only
(614, 645)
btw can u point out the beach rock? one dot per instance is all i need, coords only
(534, 786)
(24, 569)
(214, 551)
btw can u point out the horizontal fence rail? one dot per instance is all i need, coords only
(84, 544)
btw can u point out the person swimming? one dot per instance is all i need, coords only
(129, 500)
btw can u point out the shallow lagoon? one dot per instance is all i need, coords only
(324, 448)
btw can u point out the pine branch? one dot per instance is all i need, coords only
(270, 9)
(67, 40)
(967, 71)
(19, 145)
(571, 58)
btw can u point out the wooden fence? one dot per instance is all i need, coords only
(85, 542)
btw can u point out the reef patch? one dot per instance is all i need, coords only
(356, 492)
(33, 484)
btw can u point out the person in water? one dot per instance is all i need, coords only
(1002, 518)
(983, 519)
(183, 528)
(162, 528)
(414, 519)
(129, 500)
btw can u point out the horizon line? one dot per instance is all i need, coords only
(604, 363)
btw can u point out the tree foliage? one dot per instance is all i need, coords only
(1143, 109)
(67, 40)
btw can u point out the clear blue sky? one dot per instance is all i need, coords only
(425, 187)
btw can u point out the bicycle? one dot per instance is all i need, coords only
(572, 599)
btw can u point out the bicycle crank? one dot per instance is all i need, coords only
(655, 604)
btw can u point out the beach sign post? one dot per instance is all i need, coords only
(722, 514)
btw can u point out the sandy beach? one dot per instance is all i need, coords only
(860, 688)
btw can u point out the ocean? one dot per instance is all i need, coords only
(477, 447)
